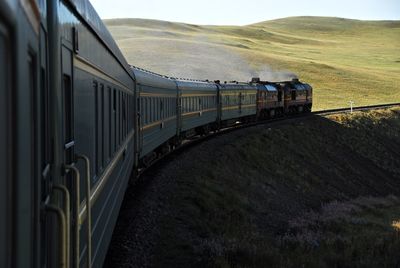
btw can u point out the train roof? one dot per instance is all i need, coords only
(85, 9)
(195, 84)
(237, 85)
(152, 79)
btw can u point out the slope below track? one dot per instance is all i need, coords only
(317, 191)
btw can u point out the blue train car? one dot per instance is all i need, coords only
(199, 103)
(237, 102)
(158, 108)
(21, 133)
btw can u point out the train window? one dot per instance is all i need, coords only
(99, 130)
(96, 128)
(120, 126)
(166, 101)
(144, 111)
(115, 119)
(149, 107)
(68, 116)
(162, 108)
(114, 99)
(151, 110)
(108, 125)
(120, 111)
(123, 100)
(169, 107)
(147, 110)
(293, 94)
(140, 109)
(148, 99)
(158, 100)
(157, 109)
(103, 126)
(166, 107)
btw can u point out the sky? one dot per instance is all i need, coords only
(242, 12)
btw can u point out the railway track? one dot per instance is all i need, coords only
(194, 140)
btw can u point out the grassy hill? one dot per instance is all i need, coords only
(343, 59)
(312, 192)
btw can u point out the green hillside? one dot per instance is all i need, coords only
(343, 59)
(321, 191)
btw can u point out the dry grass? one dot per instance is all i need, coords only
(343, 59)
(323, 192)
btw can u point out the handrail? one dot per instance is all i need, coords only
(61, 218)
(88, 209)
(65, 191)
(77, 209)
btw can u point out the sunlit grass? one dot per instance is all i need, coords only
(343, 59)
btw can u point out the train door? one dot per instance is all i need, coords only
(78, 169)
(70, 172)
(43, 149)
(5, 141)
(77, 173)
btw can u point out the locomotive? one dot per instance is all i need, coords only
(76, 122)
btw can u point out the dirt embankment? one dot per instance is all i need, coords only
(316, 192)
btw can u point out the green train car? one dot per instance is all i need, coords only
(238, 102)
(198, 107)
(77, 123)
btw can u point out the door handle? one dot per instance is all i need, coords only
(69, 145)
(88, 208)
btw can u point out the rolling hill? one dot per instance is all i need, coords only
(343, 59)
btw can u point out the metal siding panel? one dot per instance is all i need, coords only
(85, 116)
(4, 164)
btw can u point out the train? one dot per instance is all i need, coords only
(77, 123)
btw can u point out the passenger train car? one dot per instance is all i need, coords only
(77, 123)
(68, 133)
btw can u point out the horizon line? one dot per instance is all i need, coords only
(275, 19)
